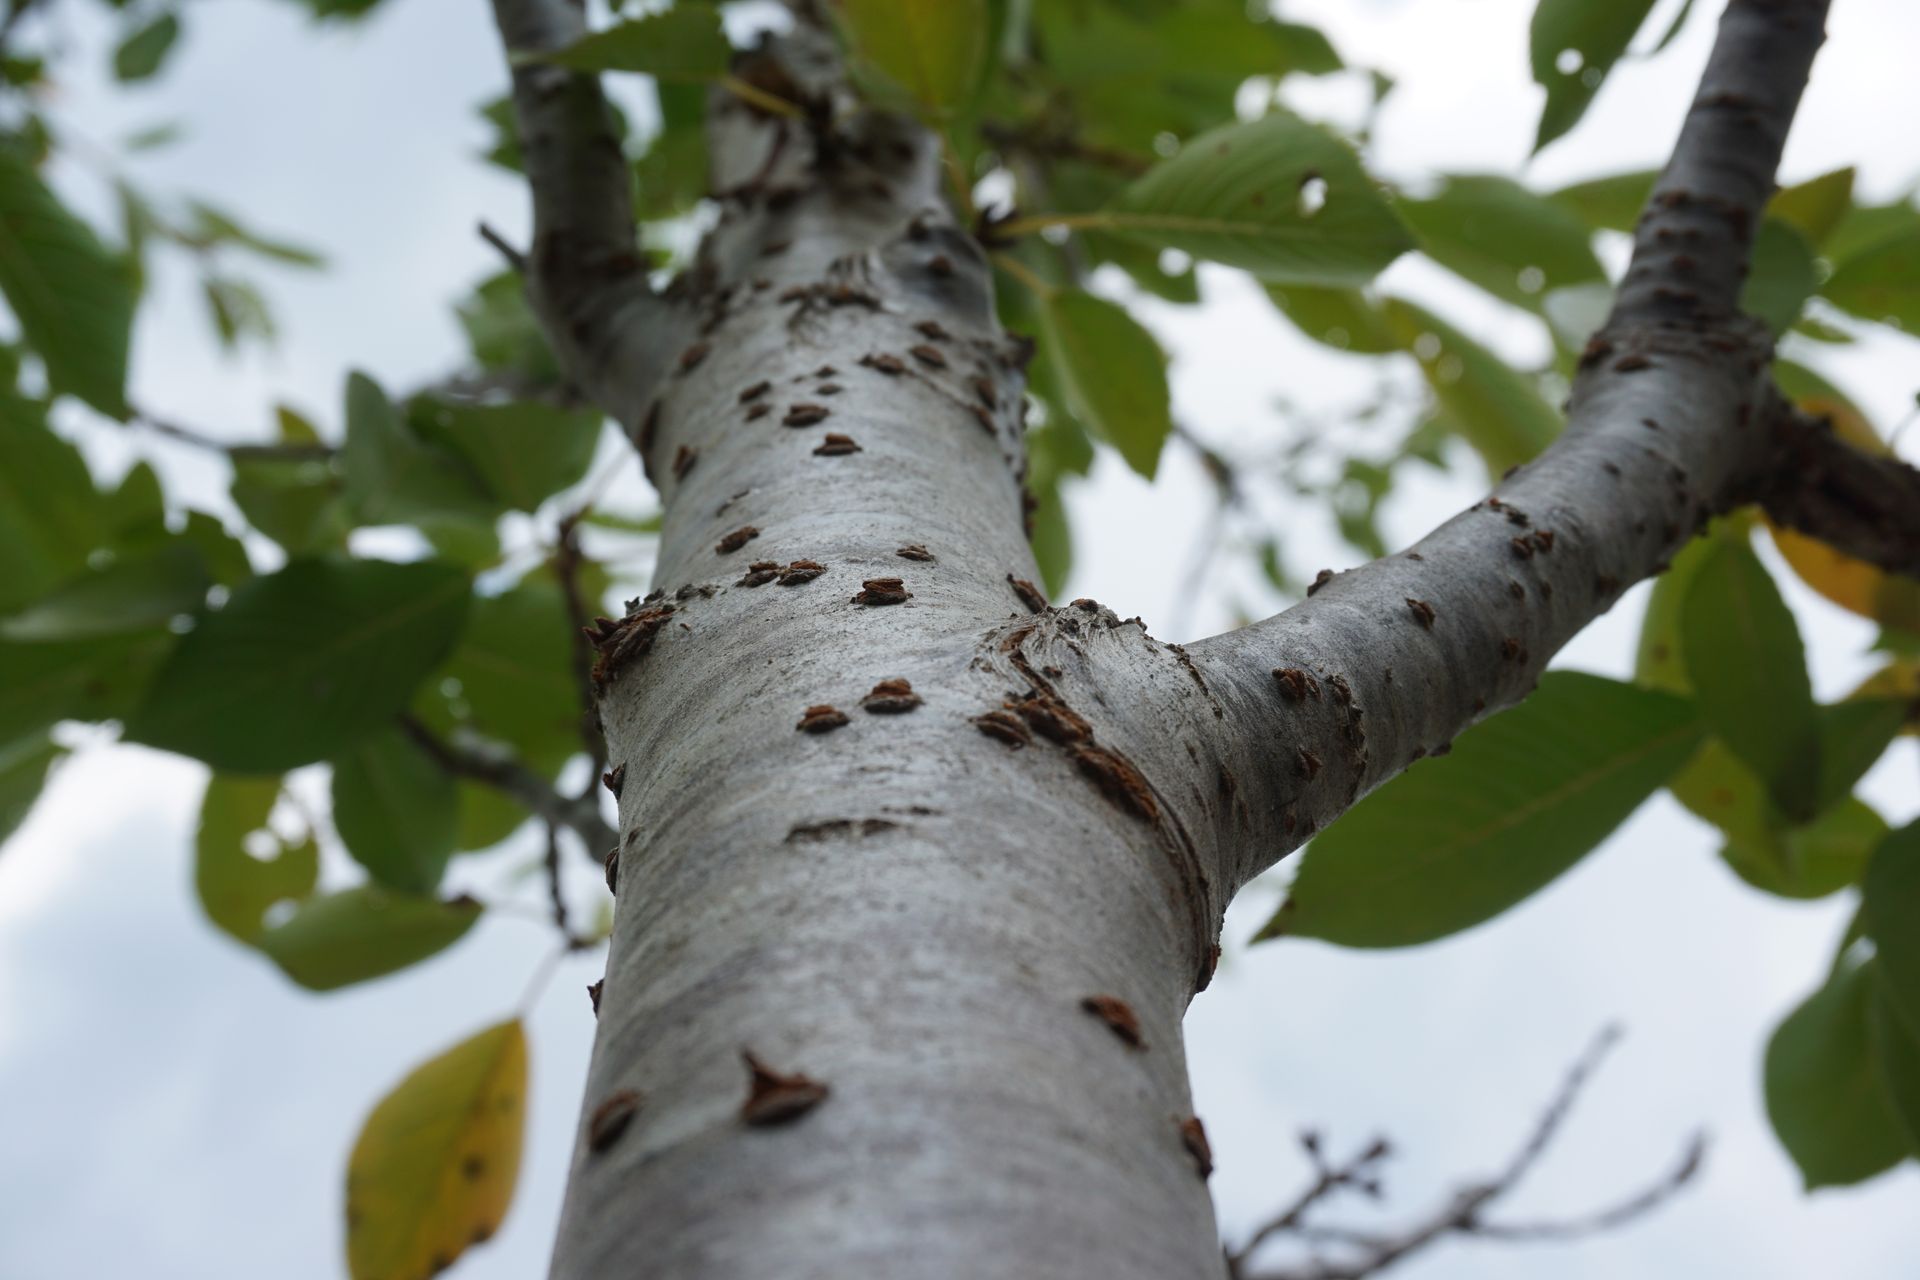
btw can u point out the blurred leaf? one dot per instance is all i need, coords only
(1749, 674)
(1611, 203)
(1496, 410)
(1824, 1094)
(299, 503)
(212, 227)
(238, 311)
(50, 514)
(145, 49)
(1890, 905)
(1492, 231)
(24, 766)
(89, 680)
(1896, 1051)
(135, 513)
(137, 593)
(1344, 319)
(1574, 45)
(1519, 800)
(1113, 372)
(524, 451)
(503, 334)
(302, 662)
(1659, 662)
(683, 43)
(334, 940)
(1813, 861)
(1783, 275)
(1881, 281)
(396, 811)
(234, 886)
(1816, 207)
(154, 137)
(513, 665)
(671, 174)
(1279, 197)
(392, 477)
(72, 298)
(1052, 539)
(433, 1170)
(932, 49)
(1865, 225)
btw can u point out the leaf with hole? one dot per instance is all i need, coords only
(241, 867)
(1573, 45)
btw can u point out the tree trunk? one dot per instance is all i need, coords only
(898, 969)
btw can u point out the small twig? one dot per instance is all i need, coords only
(1356, 1172)
(555, 896)
(567, 560)
(201, 440)
(515, 259)
(1462, 1214)
(507, 775)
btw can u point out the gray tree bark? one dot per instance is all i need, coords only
(917, 874)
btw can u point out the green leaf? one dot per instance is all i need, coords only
(1281, 198)
(135, 513)
(433, 1170)
(1812, 861)
(671, 173)
(932, 49)
(72, 298)
(1890, 903)
(337, 939)
(236, 884)
(396, 810)
(1866, 225)
(1344, 319)
(298, 502)
(1824, 1094)
(1497, 411)
(1612, 203)
(133, 594)
(302, 662)
(50, 514)
(524, 451)
(1113, 372)
(24, 766)
(1515, 244)
(1896, 1052)
(1052, 539)
(392, 477)
(238, 312)
(88, 680)
(1749, 674)
(1783, 275)
(1518, 801)
(502, 332)
(1815, 208)
(513, 668)
(683, 43)
(1574, 43)
(1881, 282)
(1659, 662)
(145, 49)
(1853, 734)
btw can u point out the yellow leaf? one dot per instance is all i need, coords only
(1852, 584)
(434, 1168)
(1900, 678)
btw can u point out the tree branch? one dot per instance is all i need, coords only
(585, 277)
(1866, 506)
(1666, 429)
(507, 775)
(1462, 1214)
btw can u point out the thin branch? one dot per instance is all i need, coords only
(515, 259)
(201, 440)
(1866, 506)
(1359, 1171)
(566, 567)
(1462, 1213)
(507, 775)
(555, 897)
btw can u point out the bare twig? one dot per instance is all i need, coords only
(566, 567)
(503, 773)
(515, 259)
(1462, 1214)
(201, 440)
(555, 897)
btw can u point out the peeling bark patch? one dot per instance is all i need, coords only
(693, 355)
(758, 411)
(1631, 364)
(913, 551)
(683, 460)
(611, 1118)
(881, 362)
(760, 573)
(836, 446)
(1029, 594)
(1051, 718)
(1543, 539)
(879, 591)
(1186, 661)
(838, 829)
(1005, 726)
(614, 778)
(755, 391)
(1193, 1136)
(774, 1097)
(1306, 764)
(821, 718)
(890, 698)
(1296, 685)
(1422, 612)
(1119, 1017)
(1320, 580)
(930, 356)
(618, 643)
(593, 993)
(932, 330)
(1117, 779)
(801, 571)
(737, 539)
(1522, 548)
(804, 415)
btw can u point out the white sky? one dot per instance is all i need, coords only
(170, 1107)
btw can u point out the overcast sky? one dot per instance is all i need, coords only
(170, 1107)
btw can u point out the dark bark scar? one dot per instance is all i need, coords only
(1029, 594)
(775, 1097)
(739, 538)
(879, 591)
(821, 718)
(611, 1118)
(1193, 1136)
(1422, 612)
(890, 697)
(1119, 1017)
